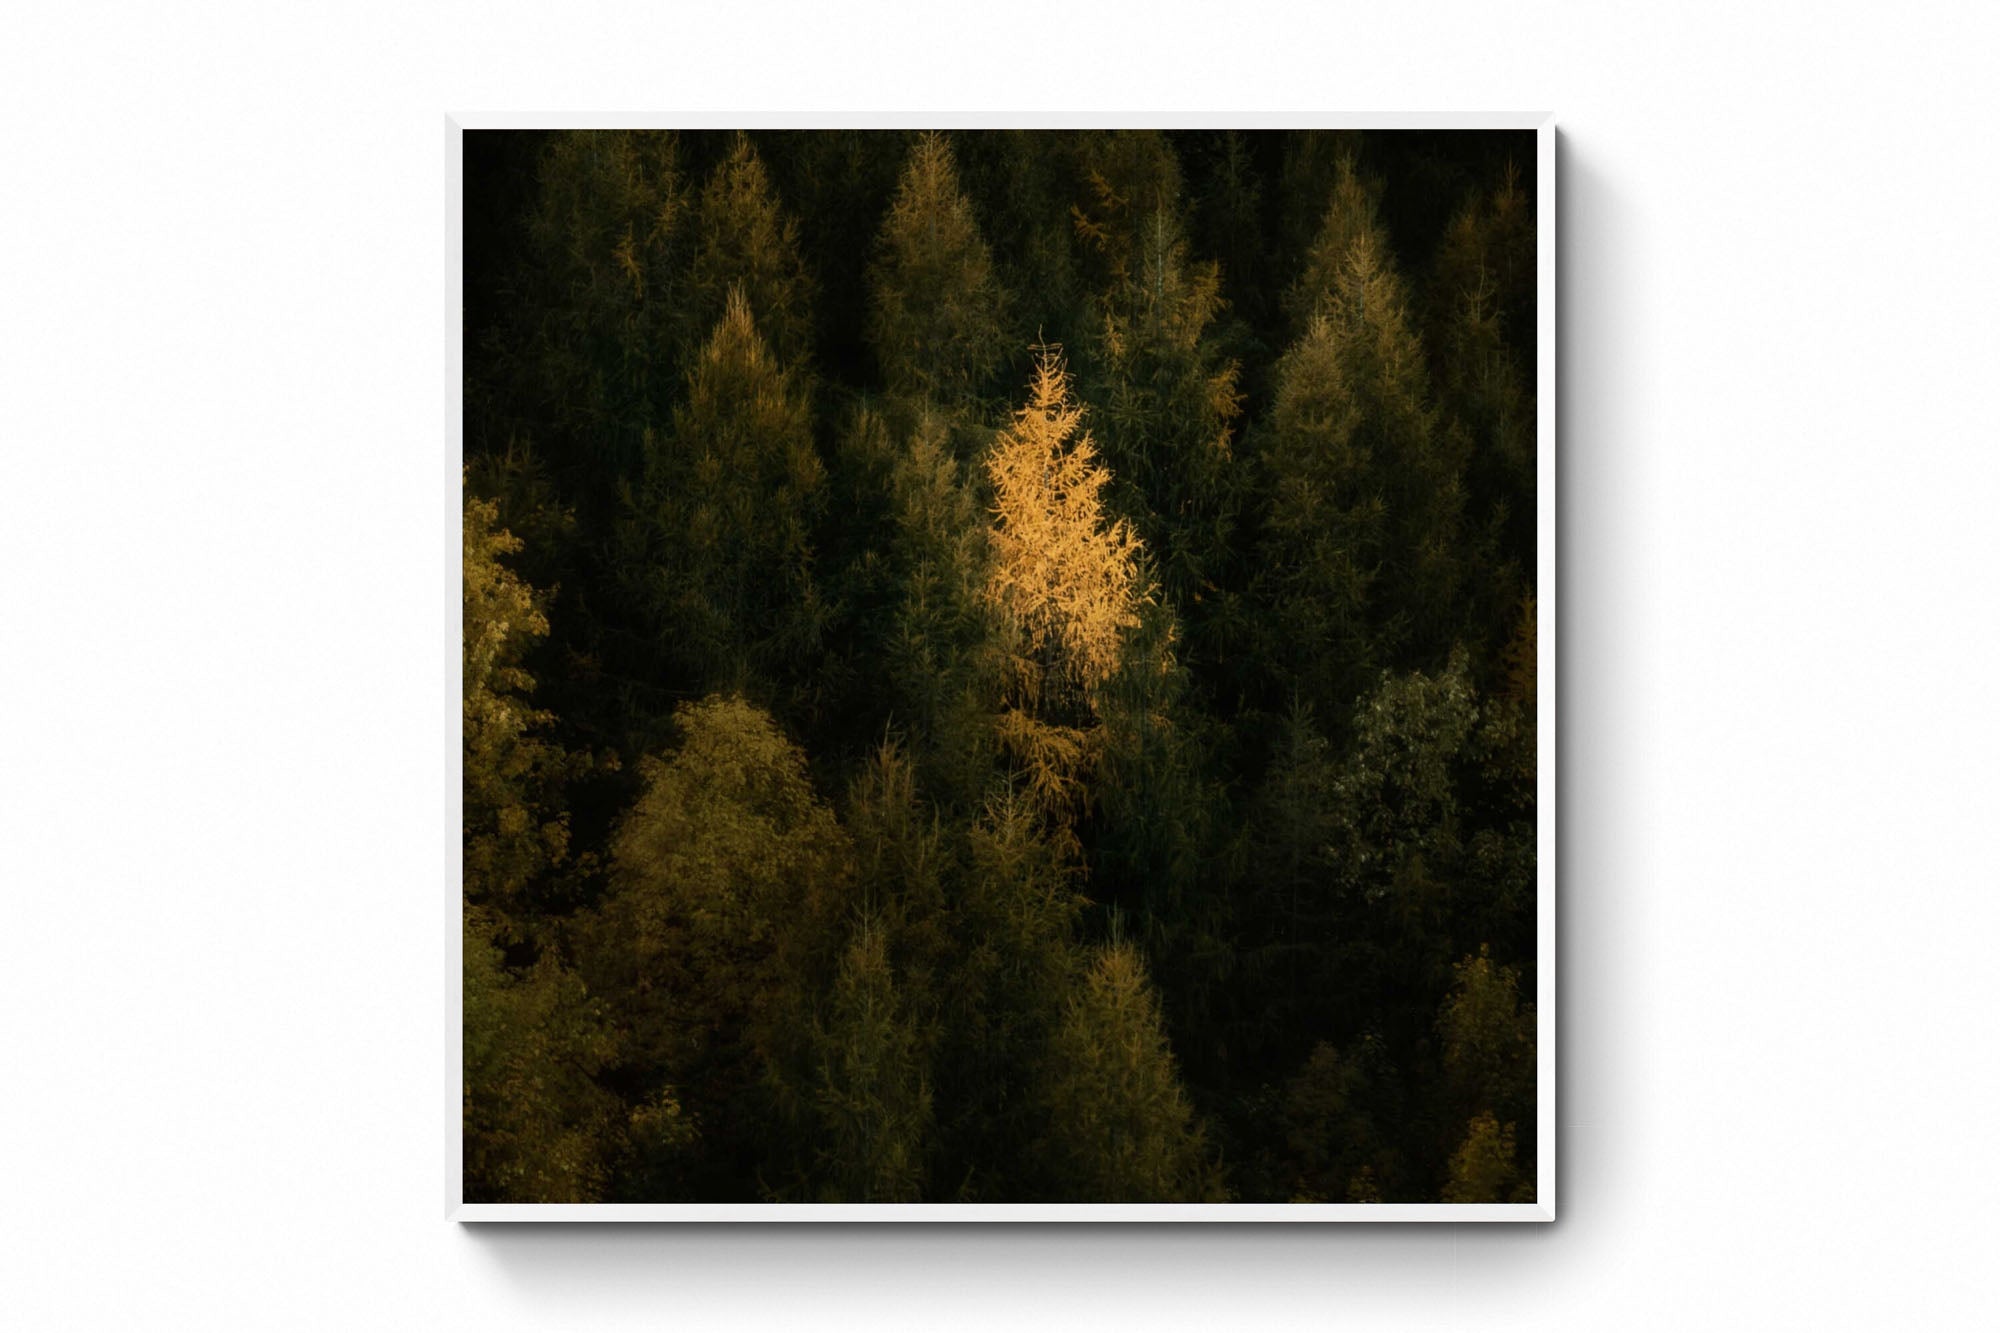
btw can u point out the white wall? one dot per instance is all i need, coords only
(228, 690)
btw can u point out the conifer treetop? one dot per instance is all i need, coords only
(1067, 577)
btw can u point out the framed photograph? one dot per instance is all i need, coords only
(1007, 672)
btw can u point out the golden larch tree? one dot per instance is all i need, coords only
(1063, 582)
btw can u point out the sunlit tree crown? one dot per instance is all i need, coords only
(1063, 572)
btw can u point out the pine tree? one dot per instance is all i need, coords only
(1478, 311)
(723, 537)
(1161, 831)
(1168, 399)
(935, 314)
(1013, 909)
(1121, 1129)
(1364, 546)
(590, 363)
(1351, 215)
(744, 240)
(940, 670)
(1022, 184)
(871, 1096)
(1131, 185)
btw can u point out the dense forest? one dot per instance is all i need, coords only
(999, 666)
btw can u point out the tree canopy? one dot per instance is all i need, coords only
(999, 666)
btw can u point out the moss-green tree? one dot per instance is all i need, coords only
(1120, 1128)
(1480, 336)
(729, 887)
(870, 1091)
(589, 362)
(745, 241)
(1167, 397)
(1013, 911)
(1334, 1114)
(935, 311)
(537, 1125)
(721, 543)
(1363, 538)
(1487, 1046)
(516, 829)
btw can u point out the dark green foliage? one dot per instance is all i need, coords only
(1120, 1129)
(745, 242)
(537, 1124)
(1000, 666)
(935, 314)
(719, 546)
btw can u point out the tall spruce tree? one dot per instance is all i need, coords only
(587, 360)
(1364, 551)
(935, 310)
(1167, 398)
(1478, 311)
(1120, 1127)
(721, 538)
(745, 242)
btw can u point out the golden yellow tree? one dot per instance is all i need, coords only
(1063, 582)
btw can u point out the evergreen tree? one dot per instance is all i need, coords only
(935, 319)
(1364, 535)
(939, 670)
(1168, 399)
(1022, 184)
(745, 241)
(1351, 215)
(871, 1097)
(1160, 836)
(862, 1098)
(721, 544)
(1483, 354)
(1013, 912)
(1121, 1129)
(588, 363)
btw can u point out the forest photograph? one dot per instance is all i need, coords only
(1000, 667)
